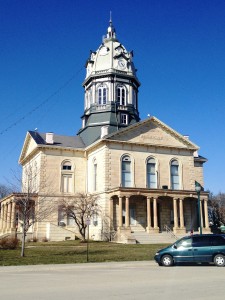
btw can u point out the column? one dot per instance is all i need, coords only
(120, 212)
(175, 213)
(149, 221)
(155, 218)
(1, 220)
(111, 212)
(5, 217)
(206, 213)
(181, 214)
(13, 218)
(9, 215)
(127, 217)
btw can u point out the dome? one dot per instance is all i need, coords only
(111, 57)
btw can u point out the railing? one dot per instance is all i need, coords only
(169, 231)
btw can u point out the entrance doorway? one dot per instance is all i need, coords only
(132, 216)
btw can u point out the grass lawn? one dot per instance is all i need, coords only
(76, 252)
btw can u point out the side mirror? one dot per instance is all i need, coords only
(175, 246)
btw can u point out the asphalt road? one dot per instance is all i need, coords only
(111, 281)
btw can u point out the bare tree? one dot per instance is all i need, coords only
(80, 208)
(31, 206)
(4, 190)
(217, 205)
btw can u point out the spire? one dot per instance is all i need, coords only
(111, 32)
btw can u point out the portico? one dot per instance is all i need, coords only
(155, 210)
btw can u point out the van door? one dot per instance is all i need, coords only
(202, 248)
(183, 250)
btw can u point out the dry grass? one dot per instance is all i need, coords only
(76, 252)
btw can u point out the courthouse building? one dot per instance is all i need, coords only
(142, 171)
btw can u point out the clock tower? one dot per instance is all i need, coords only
(111, 90)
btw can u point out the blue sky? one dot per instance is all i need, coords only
(179, 51)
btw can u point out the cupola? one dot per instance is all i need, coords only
(111, 89)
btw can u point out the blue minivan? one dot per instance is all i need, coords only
(205, 248)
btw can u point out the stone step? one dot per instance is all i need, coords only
(155, 238)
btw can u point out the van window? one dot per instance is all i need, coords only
(218, 240)
(184, 243)
(201, 241)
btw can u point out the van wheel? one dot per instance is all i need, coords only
(219, 260)
(167, 261)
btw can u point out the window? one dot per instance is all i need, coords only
(67, 166)
(151, 173)
(67, 183)
(67, 177)
(95, 176)
(61, 216)
(70, 220)
(102, 94)
(217, 240)
(121, 94)
(174, 172)
(134, 99)
(126, 171)
(184, 243)
(201, 241)
(124, 119)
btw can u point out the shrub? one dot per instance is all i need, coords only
(44, 239)
(9, 243)
(35, 239)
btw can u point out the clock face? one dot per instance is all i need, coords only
(122, 64)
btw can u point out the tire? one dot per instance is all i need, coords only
(167, 260)
(219, 260)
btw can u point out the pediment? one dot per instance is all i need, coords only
(153, 132)
(28, 147)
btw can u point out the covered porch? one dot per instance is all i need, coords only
(155, 211)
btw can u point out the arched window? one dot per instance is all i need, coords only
(126, 171)
(151, 173)
(121, 94)
(66, 177)
(174, 174)
(67, 165)
(102, 94)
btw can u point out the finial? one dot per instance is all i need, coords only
(111, 33)
(110, 18)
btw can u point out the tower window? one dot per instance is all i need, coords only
(102, 94)
(121, 95)
(124, 119)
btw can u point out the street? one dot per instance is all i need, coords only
(128, 280)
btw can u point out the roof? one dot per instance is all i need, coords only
(59, 140)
